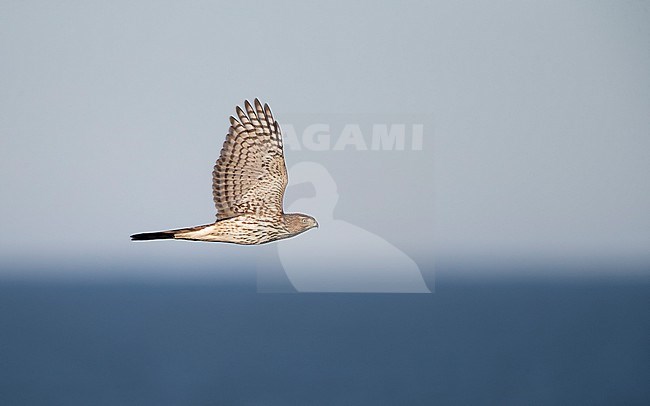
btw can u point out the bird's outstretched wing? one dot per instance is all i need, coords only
(250, 176)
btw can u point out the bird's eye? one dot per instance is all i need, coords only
(304, 220)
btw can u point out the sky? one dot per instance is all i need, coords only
(534, 116)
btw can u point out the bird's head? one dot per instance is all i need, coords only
(298, 223)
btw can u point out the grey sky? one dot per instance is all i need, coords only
(113, 113)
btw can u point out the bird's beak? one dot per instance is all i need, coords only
(317, 224)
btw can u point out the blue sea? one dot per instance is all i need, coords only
(474, 341)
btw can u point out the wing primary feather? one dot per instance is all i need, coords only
(269, 115)
(249, 110)
(262, 117)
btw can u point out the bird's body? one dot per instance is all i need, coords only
(248, 184)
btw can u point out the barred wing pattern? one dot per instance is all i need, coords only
(250, 175)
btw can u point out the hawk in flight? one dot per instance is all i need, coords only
(248, 184)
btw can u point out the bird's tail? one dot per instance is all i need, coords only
(158, 235)
(164, 235)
